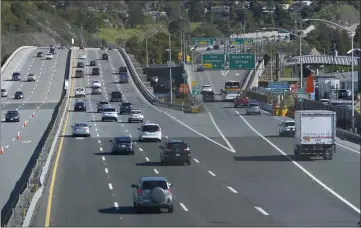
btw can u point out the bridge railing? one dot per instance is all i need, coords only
(323, 59)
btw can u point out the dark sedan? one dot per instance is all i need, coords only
(19, 95)
(122, 144)
(79, 106)
(12, 116)
(93, 63)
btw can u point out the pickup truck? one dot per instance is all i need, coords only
(315, 134)
(123, 75)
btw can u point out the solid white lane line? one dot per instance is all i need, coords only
(147, 159)
(101, 149)
(183, 206)
(106, 170)
(232, 189)
(116, 205)
(110, 186)
(140, 149)
(103, 158)
(261, 210)
(195, 160)
(210, 172)
(301, 167)
(156, 171)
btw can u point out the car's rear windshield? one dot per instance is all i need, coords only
(104, 102)
(3, 90)
(149, 185)
(124, 140)
(80, 103)
(16, 73)
(79, 71)
(12, 113)
(126, 104)
(289, 124)
(136, 112)
(109, 110)
(81, 125)
(150, 128)
(253, 105)
(174, 146)
(19, 93)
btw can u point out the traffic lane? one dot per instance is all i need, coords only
(17, 152)
(344, 179)
(206, 198)
(17, 62)
(122, 171)
(81, 186)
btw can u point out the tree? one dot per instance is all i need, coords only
(136, 16)
(356, 38)
(196, 11)
(172, 9)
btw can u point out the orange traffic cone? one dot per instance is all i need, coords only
(18, 135)
(25, 123)
(2, 151)
(33, 115)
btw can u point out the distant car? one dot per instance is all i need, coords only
(208, 97)
(125, 107)
(16, 76)
(207, 89)
(12, 116)
(208, 48)
(253, 108)
(122, 145)
(96, 91)
(135, 116)
(240, 100)
(175, 150)
(80, 92)
(61, 46)
(150, 131)
(287, 128)
(80, 65)
(31, 77)
(216, 47)
(19, 95)
(82, 56)
(4, 93)
(116, 96)
(49, 56)
(79, 74)
(109, 113)
(95, 71)
(200, 68)
(96, 84)
(81, 129)
(102, 104)
(93, 63)
(102, 48)
(81, 47)
(79, 106)
(152, 192)
(40, 54)
(105, 56)
(110, 48)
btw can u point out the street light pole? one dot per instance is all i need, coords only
(146, 47)
(170, 70)
(352, 67)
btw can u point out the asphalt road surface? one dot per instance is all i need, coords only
(236, 178)
(40, 98)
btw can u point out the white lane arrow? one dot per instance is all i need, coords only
(224, 73)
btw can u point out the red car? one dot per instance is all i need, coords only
(240, 101)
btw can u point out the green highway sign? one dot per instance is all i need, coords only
(242, 61)
(213, 61)
(241, 41)
(204, 41)
(195, 89)
(300, 94)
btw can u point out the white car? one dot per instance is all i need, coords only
(49, 56)
(31, 77)
(150, 131)
(135, 115)
(287, 128)
(110, 113)
(206, 89)
(96, 84)
(82, 56)
(80, 92)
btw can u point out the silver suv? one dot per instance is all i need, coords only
(253, 108)
(110, 113)
(153, 192)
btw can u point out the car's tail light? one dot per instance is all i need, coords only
(187, 149)
(140, 192)
(158, 129)
(168, 150)
(170, 191)
(86, 128)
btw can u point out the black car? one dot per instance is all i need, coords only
(81, 47)
(215, 47)
(40, 54)
(93, 63)
(122, 145)
(16, 76)
(176, 151)
(79, 106)
(125, 107)
(79, 74)
(12, 116)
(105, 56)
(19, 95)
(80, 65)
(116, 96)
(95, 71)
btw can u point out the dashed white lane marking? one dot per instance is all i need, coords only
(99, 142)
(147, 159)
(101, 148)
(140, 149)
(324, 186)
(7, 146)
(13, 139)
(103, 158)
(195, 160)
(156, 171)
(98, 135)
(260, 209)
(210, 172)
(166, 137)
(122, 125)
(183, 206)
(96, 129)
(116, 205)
(130, 135)
(232, 189)
(126, 130)
(110, 186)
(106, 170)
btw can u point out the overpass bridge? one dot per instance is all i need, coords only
(322, 60)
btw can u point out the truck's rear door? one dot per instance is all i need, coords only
(317, 129)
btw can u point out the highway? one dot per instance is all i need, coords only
(92, 187)
(40, 97)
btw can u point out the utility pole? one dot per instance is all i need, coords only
(81, 34)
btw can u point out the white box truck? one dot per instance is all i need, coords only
(315, 134)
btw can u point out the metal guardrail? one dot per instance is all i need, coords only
(323, 59)
(143, 89)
